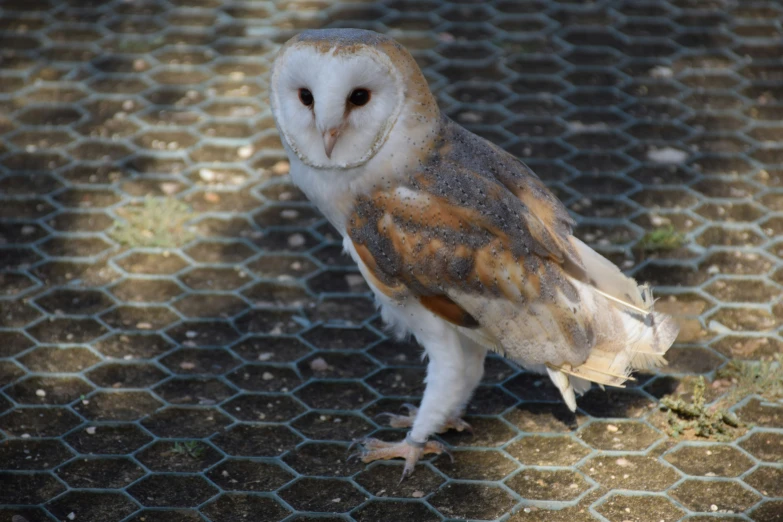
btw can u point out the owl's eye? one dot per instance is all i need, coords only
(306, 97)
(359, 97)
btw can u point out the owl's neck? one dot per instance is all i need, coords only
(329, 190)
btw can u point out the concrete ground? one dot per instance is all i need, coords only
(181, 338)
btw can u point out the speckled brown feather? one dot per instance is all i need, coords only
(472, 220)
(477, 239)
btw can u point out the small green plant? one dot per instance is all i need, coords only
(158, 222)
(763, 378)
(138, 45)
(191, 448)
(705, 422)
(663, 238)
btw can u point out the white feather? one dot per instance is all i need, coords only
(563, 384)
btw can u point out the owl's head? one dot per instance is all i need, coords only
(337, 94)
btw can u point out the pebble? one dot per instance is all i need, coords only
(319, 365)
(659, 221)
(667, 155)
(281, 168)
(354, 280)
(245, 151)
(169, 188)
(40, 393)
(267, 376)
(296, 240)
(661, 72)
(90, 430)
(470, 117)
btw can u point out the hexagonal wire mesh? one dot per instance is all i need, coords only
(161, 373)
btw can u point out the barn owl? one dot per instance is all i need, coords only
(461, 243)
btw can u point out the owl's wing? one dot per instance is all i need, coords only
(491, 252)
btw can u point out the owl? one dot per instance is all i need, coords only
(463, 246)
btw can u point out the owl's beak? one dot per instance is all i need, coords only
(330, 138)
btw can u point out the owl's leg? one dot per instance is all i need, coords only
(474, 355)
(451, 378)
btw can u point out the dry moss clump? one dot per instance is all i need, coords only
(764, 378)
(157, 223)
(695, 416)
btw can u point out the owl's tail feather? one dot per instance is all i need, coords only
(629, 334)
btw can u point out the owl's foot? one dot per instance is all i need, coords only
(374, 449)
(406, 421)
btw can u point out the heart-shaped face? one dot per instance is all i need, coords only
(335, 103)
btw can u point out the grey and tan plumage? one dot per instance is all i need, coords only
(463, 245)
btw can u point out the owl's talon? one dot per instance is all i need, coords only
(458, 424)
(407, 471)
(354, 442)
(374, 449)
(357, 442)
(412, 410)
